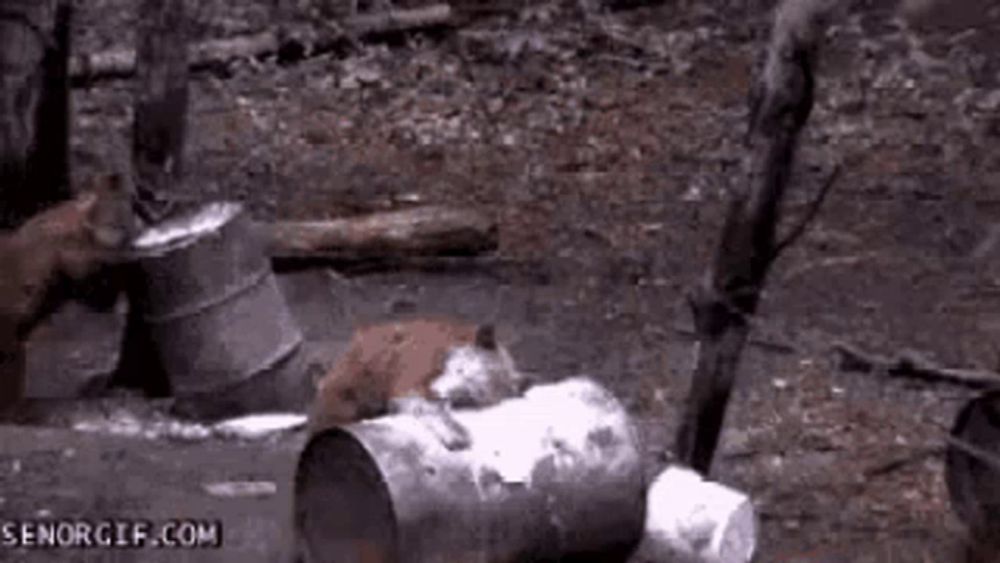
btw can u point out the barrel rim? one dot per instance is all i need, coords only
(228, 211)
(329, 434)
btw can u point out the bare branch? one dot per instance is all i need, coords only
(911, 364)
(781, 101)
(809, 216)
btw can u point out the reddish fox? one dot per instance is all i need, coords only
(45, 257)
(414, 365)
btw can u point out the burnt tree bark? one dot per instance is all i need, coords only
(725, 301)
(161, 103)
(159, 129)
(34, 107)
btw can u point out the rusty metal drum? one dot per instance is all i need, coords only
(211, 303)
(972, 466)
(554, 475)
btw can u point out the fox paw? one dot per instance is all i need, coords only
(451, 433)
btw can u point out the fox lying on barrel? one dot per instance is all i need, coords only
(47, 260)
(417, 366)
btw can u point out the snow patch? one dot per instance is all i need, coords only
(207, 219)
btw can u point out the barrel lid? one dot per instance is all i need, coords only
(185, 228)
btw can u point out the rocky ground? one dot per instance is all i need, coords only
(606, 146)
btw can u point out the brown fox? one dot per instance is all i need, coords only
(418, 364)
(47, 259)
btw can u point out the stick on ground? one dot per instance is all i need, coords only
(911, 364)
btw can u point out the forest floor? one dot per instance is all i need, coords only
(606, 148)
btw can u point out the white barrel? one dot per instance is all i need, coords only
(692, 520)
(552, 476)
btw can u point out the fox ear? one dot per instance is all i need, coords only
(86, 202)
(111, 219)
(116, 185)
(486, 336)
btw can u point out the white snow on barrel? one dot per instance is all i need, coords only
(553, 475)
(697, 521)
(210, 218)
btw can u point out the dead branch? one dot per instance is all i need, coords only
(913, 365)
(983, 455)
(829, 262)
(799, 228)
(394, 21)
(897, 463)
(428, 230)
(781, 102)
(120, 63)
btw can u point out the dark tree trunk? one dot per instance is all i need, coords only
(34, 107)
(161, 100)
(161, 103)
(724, 303)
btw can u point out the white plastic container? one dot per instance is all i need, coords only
(691, 520)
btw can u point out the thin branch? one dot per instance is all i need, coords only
(809, 216)
(910, 364)
(983, 455)
(897, 463)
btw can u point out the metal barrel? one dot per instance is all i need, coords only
(554, 475)
(211, 303)
(972, 467)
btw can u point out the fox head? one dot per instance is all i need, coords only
(67, 251)
(91, 229)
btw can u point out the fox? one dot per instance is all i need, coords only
(66, 251)
(416, 366)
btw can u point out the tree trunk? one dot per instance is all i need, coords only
(161, 101)
(34, 107)
(724, 303)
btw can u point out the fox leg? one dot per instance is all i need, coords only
(437, 416)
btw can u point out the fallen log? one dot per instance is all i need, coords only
(911, 364)
(120, 63)
(394, 21)
(426, 231)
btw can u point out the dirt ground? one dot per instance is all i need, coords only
(606, 148)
